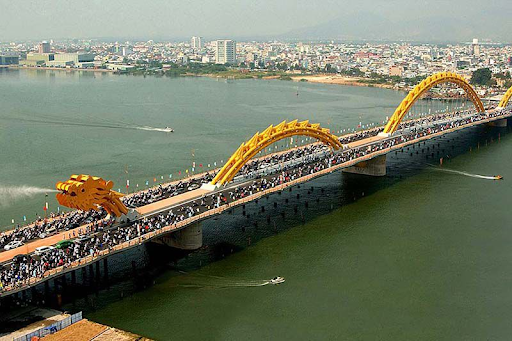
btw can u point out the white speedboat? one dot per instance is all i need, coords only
(277, 280)
(168, 130)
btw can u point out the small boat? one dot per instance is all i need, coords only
(277, 280)
(498, 177)
(168, 130)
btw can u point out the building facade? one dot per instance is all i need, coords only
(75, 59)
(475, 47)
(44, 47)
(196, 43)
(9, 60)
(225, 52)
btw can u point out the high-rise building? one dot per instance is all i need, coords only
(44, 47)
(121, 50)
(475, 47)
(196, 43)
(225, 52)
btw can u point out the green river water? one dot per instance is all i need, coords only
(423, 257)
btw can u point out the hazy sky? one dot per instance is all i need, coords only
(168, 19)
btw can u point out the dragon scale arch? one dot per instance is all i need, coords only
(260, 141)
(425, 85)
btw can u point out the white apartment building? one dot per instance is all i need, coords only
(225, 52)
(196, 43)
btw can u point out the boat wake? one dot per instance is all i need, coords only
(163, 130)
(87, 124)
(197, 281)
(478, 176)
(224, 285)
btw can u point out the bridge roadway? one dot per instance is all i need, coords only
(186, 198)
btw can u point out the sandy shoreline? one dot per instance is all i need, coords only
(338, 80)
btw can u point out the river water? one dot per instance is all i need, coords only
(51, 125)
(420, 254)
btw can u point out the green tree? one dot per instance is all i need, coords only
(330, 69)
(505, 75)
(481, 77)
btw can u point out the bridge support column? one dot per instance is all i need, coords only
(372, 167)
(499, 123)
(189, 238)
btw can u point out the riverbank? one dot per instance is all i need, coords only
(312, 78)
(339, 80)
(17, 67)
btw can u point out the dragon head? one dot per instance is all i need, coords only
(85, 192)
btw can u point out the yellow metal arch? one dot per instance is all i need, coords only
(260, 141)
(424, 86)
(506, 97)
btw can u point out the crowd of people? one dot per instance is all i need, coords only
(165, 191)
(73, 219)
(55, 223)
(60, 222)
(310, 160)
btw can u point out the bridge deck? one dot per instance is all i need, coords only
(169, 202)
(363, 142)
(191, 195)
(32, 246)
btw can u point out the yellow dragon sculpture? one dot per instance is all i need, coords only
(85, 192)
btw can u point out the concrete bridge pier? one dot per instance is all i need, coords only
(499, 123)
(372, 167)
(105, 270)
(189, 238)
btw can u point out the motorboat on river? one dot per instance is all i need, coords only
(277, 280)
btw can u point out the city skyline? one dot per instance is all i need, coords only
(397, 20)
